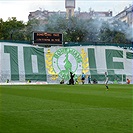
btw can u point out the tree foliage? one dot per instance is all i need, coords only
(73, 29)
(11, 29)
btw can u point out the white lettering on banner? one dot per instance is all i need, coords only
(34, 63)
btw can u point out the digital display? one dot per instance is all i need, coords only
(47, 38)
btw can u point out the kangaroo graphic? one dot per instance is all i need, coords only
(68, 65)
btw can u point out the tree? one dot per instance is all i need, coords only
(73, 29)
(12, 29)
(1, 28)
(115, 32)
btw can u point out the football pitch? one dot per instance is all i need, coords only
(66, 109)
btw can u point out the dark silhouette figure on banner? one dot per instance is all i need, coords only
(71, 81)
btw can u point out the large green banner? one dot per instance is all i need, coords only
(25, 62)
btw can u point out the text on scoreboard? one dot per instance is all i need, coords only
(47, 38)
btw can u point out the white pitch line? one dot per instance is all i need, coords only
(52, 110)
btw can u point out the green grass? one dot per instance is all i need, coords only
(66, 109)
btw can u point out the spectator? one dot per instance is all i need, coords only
(128, 81)
(62, 81)
(94, 81)
(83, 78)
(89, 79)
(106, 80)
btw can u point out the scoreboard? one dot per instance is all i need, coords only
(45, 38)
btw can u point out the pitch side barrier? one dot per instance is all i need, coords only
(94, 79)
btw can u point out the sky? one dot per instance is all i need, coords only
(21, 8)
